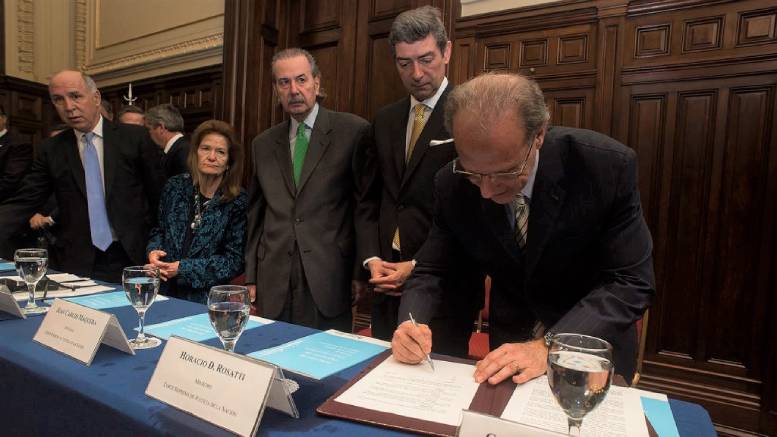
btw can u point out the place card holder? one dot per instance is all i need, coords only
(8, 304)
(474, 424)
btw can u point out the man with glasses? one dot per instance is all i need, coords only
(552, 214)
(410, 145)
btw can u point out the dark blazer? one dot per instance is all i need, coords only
(587, 267)
(174, 161)
(133, 181)
(406, 193)
(15, 158)
(319, 215)
(215, 254)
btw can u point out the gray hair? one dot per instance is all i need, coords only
(491, 96)
(293, 52)
(130, 109)
(90, 84)
(415, 24)
(167, 115)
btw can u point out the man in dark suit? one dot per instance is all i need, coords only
(403, 197)
(165, 125)
(106, 179)
(15, 158)
(551, 214)
(303, 197)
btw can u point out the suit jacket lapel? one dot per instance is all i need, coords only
(319, 142)
(73, 159)
(431, 129)
(110, 153)
(399, 137)
(546, 202)
(497, 217)
(283, 157)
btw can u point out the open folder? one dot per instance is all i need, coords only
(487, 399)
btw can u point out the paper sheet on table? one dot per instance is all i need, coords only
(107, 300)
(619, 415)
(416, 391)
(23, 295)
(65, 277)
(196, 328)
(10, 267)
(659, 413)
(322, 354)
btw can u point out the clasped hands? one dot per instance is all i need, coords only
(389, 277)
(521, 361)
(167, 270)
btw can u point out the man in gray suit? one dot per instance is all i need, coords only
(304, 200)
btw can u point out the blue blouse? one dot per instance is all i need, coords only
(215, 254)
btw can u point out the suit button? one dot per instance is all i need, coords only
(298, 220)
(400, 207)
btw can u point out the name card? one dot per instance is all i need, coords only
(77, 331)
(223, 388)
(482, 425)
(8, 304)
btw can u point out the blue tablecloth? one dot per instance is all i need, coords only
(45, 393)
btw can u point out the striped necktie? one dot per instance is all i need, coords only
(521, 209)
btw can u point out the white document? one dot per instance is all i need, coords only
(261, 320)
(619, 415)
(416, 391)
(65, 277)
(63, 292)
(357, 337)
(81, 283)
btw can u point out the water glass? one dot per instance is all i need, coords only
(31, 264)
(228, 309)
(579, 373)
(141, 285)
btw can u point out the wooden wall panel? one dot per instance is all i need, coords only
(28, 108)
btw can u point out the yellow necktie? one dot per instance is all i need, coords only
(419, 121)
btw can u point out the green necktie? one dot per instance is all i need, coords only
(300, 150)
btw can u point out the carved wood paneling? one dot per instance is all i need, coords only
(704, 34)
(652, 41)
(28, 108)
(758, 27)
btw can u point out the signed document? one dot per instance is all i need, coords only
(416, 391)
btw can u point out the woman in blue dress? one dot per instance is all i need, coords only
(200, 237)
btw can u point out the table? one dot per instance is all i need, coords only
(43, 392)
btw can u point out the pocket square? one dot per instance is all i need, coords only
(433, 143)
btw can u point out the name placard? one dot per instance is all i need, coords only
(8, 304)
(225, 389)
(475, 424)
(77, 331)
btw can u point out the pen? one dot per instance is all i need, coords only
(428, 358)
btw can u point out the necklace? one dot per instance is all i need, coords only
(199, 209)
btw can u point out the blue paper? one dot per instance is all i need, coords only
(4, 267)
(319, 355)
(659, 413)
(196, 327)
(103, 301)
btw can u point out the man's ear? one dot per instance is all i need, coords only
(540, 138)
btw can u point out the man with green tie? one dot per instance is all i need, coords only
(304, 198)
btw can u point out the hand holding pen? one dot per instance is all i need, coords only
(412, 343)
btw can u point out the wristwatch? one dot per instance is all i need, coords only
(548, 338)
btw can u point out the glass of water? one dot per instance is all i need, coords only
(579, 373)
(228, 309)
(31, 264)
(141, 285)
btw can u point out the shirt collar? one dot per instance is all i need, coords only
(309, 121)
(3, 132)
(172, 141)
(431, 102)
(98, 130)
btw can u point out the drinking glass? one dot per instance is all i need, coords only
(31, 265)
(228, 308)
(579, 374)
(141, 285)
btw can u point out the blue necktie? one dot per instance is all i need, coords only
(95, 197)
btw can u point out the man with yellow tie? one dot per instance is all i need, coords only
(410, 144)
(303, 203)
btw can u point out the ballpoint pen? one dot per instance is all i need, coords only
(428, 358)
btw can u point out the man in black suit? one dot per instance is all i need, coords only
(403, 134)
(15, 158)
(106, 179)
(303, 203)
(551, 214)
(165, 125)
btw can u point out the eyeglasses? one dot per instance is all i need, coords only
(498, 177)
